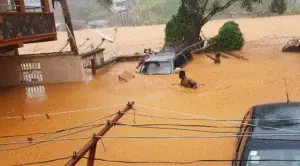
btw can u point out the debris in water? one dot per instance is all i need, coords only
(126, 76)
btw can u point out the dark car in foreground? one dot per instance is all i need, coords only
(267, 132)
(166, 61)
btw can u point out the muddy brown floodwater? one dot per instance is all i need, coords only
(230, 89)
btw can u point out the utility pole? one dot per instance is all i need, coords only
(68, 21)
(91, 146)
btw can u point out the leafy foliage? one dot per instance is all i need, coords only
(229, 38)
(278, 6)
(184, 28)
(177, 28)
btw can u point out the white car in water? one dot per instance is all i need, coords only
(168, 61)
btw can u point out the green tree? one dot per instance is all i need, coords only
(229, 38)
(184, 28)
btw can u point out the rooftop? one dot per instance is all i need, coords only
(162, 56)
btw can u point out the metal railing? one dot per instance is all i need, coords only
(13, 8)
(22, 26)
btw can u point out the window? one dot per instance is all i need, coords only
(31, 72)
(276, 154)
(156, 68)
(179, 61)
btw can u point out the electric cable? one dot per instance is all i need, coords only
(215, 119)
(45, 161)
(144, 137)
(187, 162)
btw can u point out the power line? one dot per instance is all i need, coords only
(205, 119)
(146, 137)
(58, 138)
(186, 125)
(44, 133)
(199, 119)
(49, 140)
(210, 126)
(61, 113)
(43, 162)
(150, 126)
(187, 162)
(173, 128)
(215, 119)
(59, 131)
(158, 162)
(22, 147)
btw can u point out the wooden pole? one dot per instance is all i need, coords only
(92, 154)
(46, 5)
(67, 17)
(90, 146)
(20, 4)
(93, 67)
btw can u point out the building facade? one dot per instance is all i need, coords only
(21, 24)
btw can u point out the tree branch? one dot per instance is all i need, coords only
(203, 7)
(218, 9)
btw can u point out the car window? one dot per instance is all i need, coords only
(275, 154)
(157, 68)
(179, 61)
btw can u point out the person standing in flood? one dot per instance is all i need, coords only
(216, 59)
(148, 53)
(186, 82)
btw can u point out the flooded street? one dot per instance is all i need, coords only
(231, 88)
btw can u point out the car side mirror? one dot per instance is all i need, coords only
(177, 70)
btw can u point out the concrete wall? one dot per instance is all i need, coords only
(62, 69)
(54, 68)
(9, 72)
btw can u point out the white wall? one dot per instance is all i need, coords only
(9, 72)
(54, 68)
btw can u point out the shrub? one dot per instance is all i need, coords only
(229, 38)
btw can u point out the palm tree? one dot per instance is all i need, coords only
(68, 20)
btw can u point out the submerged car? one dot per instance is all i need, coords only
(267, 133)
(166, 61)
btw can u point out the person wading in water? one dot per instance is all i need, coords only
(216, 58)
(148, 53)
(186, 82)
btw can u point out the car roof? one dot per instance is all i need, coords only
(166, 55)
(283, 116)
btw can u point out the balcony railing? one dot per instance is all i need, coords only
(13, 8)
(27, 26)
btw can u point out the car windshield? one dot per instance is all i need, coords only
(157, 68)
(274, 154)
